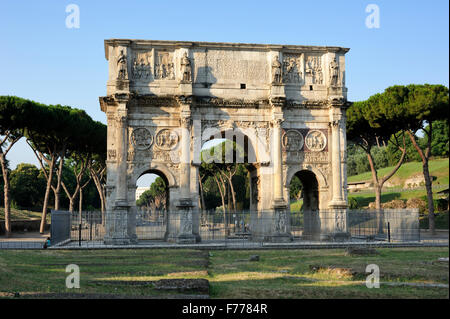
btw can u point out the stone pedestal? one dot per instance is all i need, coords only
(185, 218)
(277, 91)
(122, 85)
(334, 225)
(280, 232)
(119, 226)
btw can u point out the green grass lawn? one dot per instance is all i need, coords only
(279, 273)
(439, 168)
(20, 214)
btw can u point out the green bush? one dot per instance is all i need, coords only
(440, 204)
(352, 203)
(440, 220)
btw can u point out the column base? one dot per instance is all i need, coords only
(281, 238)
(279, 204)
(335, 237)
(184, 203)
(186, 239)
(118, 241)
(338, 204)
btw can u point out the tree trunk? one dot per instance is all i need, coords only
(100, 190)
(426, 175)
(47, 195)
(202, 198)
(5, 173)
(6, 194)
(58, 182)
(80, 204)
(378, 185)
(222, 195)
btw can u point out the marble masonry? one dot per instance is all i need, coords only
(285, 103)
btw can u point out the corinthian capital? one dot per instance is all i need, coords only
(185, 121)
(277, 123)
(121, 120)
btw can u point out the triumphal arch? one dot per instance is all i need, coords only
(285, 103)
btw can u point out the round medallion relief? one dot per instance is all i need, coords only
(166, 139)
(141, 138)
(316, 141)
(293, 141)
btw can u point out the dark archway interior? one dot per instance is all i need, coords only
(310, 190)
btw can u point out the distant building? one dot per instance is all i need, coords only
(140, 190)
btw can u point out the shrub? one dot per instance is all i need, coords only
(352, 203)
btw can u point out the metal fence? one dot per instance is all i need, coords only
(389, 225)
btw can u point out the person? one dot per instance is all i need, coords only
(47, 243)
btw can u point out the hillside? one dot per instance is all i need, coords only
(439, 169)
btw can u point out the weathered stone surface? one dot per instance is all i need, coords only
(166, 98)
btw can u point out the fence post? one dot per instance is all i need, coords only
(389, 231)
(79, 234)
(90, 225)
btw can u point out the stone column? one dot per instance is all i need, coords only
(334, 224)
(120, 229)
(280, 220)
(185, 211)
(277, 163)
(185, 160)
(338, 198)
(122, 150)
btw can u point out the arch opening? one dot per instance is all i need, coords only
(304, 204)
(228, 186)
(152, 200)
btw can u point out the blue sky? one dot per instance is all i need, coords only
(43, 60)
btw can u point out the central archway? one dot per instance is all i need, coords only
(231, 188)
(152, 202)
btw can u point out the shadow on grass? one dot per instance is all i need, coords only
(364, 201)
(296, 288)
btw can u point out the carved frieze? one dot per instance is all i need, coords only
(166, 139)
(186, 222)
(164, 66)
(280, 222)
(292, 68)
(293, 141)
(305, 157)
(111, 155)
(142, 68)
(313, 69)
(315, 141)
(141, 138)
